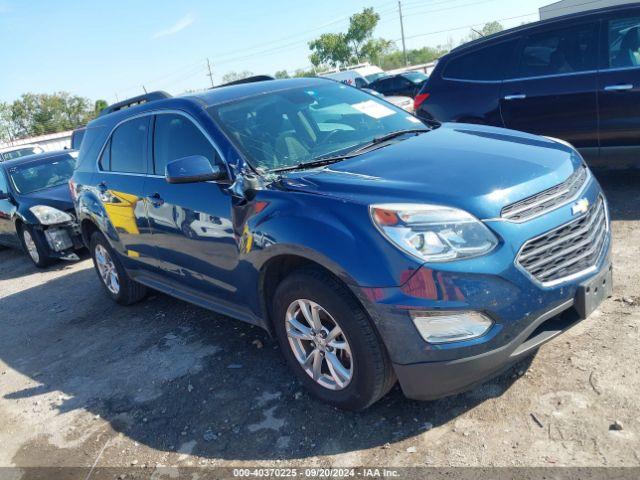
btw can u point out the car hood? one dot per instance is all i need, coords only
(57, 197)
(479, 169)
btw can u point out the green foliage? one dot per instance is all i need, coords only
(330, 49)
(282, 74)
(417, 56)
(355, 45)
(376, 49)
(40, 114)
(233, 76)
(488, 29)
(99, 106)
(304, 73)
(361, 26)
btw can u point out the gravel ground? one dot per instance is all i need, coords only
(85, 382)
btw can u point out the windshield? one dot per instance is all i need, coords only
(21, 152)
(33, 176)
(374, 76)
(415, 77)
(296, 126)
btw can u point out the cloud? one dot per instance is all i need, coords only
(180, 25)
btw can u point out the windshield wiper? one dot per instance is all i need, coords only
(315, 163)
(353, 153)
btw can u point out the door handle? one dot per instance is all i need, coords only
(155, 200)
(618, 88)
(515, 96)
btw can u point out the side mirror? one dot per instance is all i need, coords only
(192, 169)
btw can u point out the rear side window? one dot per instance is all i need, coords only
(3, 183)
(175, 137)
(105, 158)
(568, 50)
(76, 139)
(624, 42)
(485, 64)
(129, 146)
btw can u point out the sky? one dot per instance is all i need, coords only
(110, 49)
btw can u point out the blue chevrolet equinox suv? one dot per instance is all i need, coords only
(375, 248)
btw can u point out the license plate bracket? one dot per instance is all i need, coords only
(591, 293)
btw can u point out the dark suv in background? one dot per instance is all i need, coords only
(575, 77)
(406, 84)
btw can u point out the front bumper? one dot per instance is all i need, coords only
(63, 240)
(525, 312)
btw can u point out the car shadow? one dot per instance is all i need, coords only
(175, 377)
(15, 264)
(622, 188)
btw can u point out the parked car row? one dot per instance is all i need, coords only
(36, 210)
(374, 246)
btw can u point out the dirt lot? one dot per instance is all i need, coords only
(85, 382)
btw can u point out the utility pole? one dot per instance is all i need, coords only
(210, 75)
(404, 48)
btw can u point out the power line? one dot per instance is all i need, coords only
(210, 74)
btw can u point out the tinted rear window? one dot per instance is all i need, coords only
(485, 64)
(76, 139)
(129, 146)
(567, 50)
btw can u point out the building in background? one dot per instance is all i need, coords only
(565, 7)
(50, 142)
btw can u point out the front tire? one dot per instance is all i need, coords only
(35, 246)
(329, 341)
(113, 277)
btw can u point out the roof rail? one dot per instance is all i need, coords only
(252, 79)
(132, 102)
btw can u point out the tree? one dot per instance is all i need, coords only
(330, 49)
(376, 48)
(282, 74)
(39, 114)
(233, 76)
(99, 106)
(416, 56)
(354, 45)
(361, 26)
(300, 73)
(488, 29)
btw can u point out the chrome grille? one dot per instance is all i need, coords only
(547, 199)
(569, 249)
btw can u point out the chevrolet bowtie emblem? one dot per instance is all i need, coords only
(581, 206)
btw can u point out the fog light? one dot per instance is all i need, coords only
(443, 327)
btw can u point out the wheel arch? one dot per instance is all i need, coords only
(278, 267)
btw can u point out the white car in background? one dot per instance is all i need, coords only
(406, 103)
(361, 77)
(11, 153)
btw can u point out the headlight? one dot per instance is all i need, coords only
(433, 233)
(450, 326)
(50, 216)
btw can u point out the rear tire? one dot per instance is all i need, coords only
(35, 246)
(113, 277)
(363, 373)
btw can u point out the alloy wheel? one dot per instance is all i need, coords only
(107, 269)
(319, 344)
(32, 249)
